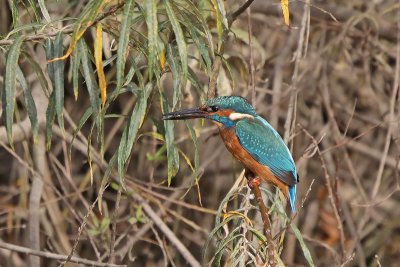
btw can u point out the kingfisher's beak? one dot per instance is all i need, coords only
(185, 114)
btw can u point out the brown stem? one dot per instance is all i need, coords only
(254, 185)
(240, 10)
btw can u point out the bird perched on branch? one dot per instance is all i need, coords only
(250, 139)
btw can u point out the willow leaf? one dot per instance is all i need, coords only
(76, 62)
(121, 155)
(303, 245)
(59, 79)
(175, 70)
(137, 118)
(123, 41)
(88, 75)
(50, 115)
(152, 34)
(10, 79)
(33, 6)
(180, 39)
(172, 152)
(86, 18)
(44, 11)
(82, 121)
(29, 104)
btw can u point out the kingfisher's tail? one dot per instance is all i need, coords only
(292, 197)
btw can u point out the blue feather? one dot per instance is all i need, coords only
(266, 146)
(292, 197)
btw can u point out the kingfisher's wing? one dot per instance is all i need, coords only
(266, 146)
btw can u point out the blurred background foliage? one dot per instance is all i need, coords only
(90, 170)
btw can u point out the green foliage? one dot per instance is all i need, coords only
(239, 242)
(151, 39)
(99, 227)
(10, 79)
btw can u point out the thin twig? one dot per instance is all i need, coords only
(240, 10)
(54, 256)
(114, 225)
(252, 70)
(298, 55)
(65, 31)
(82, 227)
(390, 119)
(330, 193)
(165, 229)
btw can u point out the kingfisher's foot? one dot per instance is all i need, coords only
(253, 182)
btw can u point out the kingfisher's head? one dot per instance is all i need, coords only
(224, 110)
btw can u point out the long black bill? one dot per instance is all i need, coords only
(185, 114)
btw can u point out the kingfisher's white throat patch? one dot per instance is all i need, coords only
(237, 116)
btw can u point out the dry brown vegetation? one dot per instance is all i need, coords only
(329, 84)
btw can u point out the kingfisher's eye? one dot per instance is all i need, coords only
(214, 108)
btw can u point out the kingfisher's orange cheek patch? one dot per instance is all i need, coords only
(224, 113)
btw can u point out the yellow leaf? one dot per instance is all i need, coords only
(162, 60)
(98, 57)
(285, 10)
(87, 18)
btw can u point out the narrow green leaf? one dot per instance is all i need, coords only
(123, 41)
(137, 118)
(201, 45)
(218, 227)
(121, 155)
(196, 11)
(303, 245)
(130, 132)
(220, 29)
(105, 179)
(135, 70)
(92, 232)
(50, 55)
(14, 13)
(152, 34)
(30, 104)
(28, 26)
(196, 147)
(180, 39)
(172, 152)
(44, 11)
(195, 82)
(76, 62)
(33, 5)
(59, 79)
(221, 8)
(229, 68)
(82, 121)
(104, 224)
(39, 72)
(10, 79)
(54, 49)
(50, 115)
(175, 69)
(88, 75)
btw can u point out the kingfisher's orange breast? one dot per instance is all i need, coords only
(263, 172)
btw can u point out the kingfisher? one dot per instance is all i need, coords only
(250, 139)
